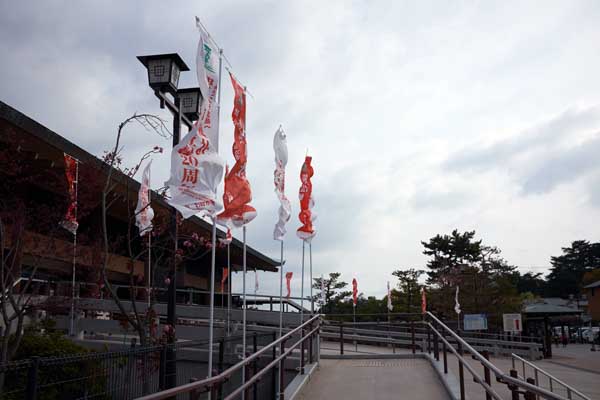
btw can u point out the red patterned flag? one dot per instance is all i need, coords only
(237, 193)
(354, 292)
(144, 212)
(288, 279)
(307, 216)
(228, 238)
(224, 279)
(423, 301)
(71, 172)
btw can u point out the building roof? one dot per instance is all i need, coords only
(543, 308)
(592, 285)
(57, 145)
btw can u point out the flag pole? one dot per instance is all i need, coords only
(244, 310)
(229, 294)
(302, 286)
(212, 295)
(312, 300)
(214, 239)
(354, 326)
(149, 280)
(281, 291)
(72, 324)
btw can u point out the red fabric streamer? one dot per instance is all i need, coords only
(288, 279)
(306, 216)
(237, 193)
(224, 279)
(70, 220)
(423, 301)
(354, 291)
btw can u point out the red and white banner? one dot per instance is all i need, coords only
(390, 307)
(237, 193)
(306, 232)
(143, 211)
(354, 292)
(72, 174)
(196, 171)
(227, 239)
(288, 280)
(281, 159)
(207, 69)
(224, 279)
(423, 301)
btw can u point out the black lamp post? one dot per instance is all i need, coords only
(163, 76)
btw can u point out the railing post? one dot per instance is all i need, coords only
(282, 372)
(247, 372)
(412, 335)
(486, 374)
(274, 370)
(342, 337)
(220, 366)
(445, 357)
(302, 351)
(513, 388)
(310, 344)
(461, 372)
(255, 365)
(436, 348)
(32, 376)
(529, 395)
(162, 368)
(428, 339)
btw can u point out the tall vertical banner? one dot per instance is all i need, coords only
(456, 303)
(354, 292)
(423, 301)
(237, 193)
(207, 69)
(306, 232)
(69, 222)
(288, 282)
(281, 160)
(143, 211)
(390, 307)
(224, 279)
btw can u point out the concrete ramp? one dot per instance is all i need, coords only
(374, 379)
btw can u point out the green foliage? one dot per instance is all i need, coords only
(43, 341)
(568, 269)
(407, 297)
(334, 292)
(530, 283)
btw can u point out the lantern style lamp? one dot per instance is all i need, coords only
(163, 71)
(190, 100)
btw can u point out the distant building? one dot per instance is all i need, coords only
(592, 292)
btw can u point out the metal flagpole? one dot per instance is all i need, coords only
(149, 267)
(354, 323)
(302, 287)
(281, 292)
(72, 324)
(244, 309)
(214, 240)
(212, 295)
(229, 294)
(312, 300)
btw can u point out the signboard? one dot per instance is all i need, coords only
(475, 322)
(512, 322)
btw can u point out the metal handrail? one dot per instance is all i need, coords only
(223, 376)
(549, 376)
(500, 375)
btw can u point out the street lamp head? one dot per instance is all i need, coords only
(189, 102)
(163, 71)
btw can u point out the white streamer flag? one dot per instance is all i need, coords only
(196, 168)
(207, 69)
(389, 297)
(456, 303)
(281, 159)
(144, 212)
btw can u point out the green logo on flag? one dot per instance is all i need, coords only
(207, 54)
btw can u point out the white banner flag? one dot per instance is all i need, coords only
(456, 303)
(281, 159)
(389, 297)
(207, 69)
(143, 211)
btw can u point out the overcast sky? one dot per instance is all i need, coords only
(421, 117)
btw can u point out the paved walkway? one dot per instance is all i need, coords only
(575, 365)
(412, 379)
